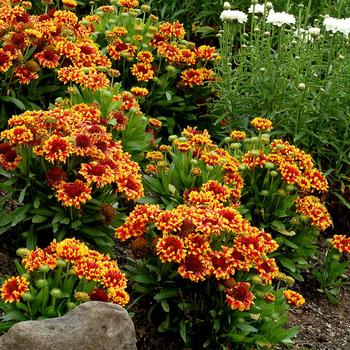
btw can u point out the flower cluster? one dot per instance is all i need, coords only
(341, 243)
(76, 257)
(294, 298)
(146, 47)
(63, 136)
(313, 209)
(45, 36)
(189, 236)
(337, 25)
(280, 18)
(233, 15)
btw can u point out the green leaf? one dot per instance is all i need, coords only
(13, 100)
(183, 330)
(14, 316)
(31, 240)
(144, 279)
(287, 263)
(165, 305)
(36, 202)
(12, 216)
(22, 195)
(38, 219)
(247, 328)
(166, 293)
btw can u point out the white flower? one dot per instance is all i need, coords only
(280, 18)
(259, 9)
(314, 32)
(337, 25)
(232, 15)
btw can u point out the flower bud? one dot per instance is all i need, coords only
(22, 252)
(182, 139)
(153, 18)
(282, 193)
(210, 167)
(242, 167)
(42, 283)
(227, 139)
(172, 138)
(328, 242)
(269, 5)
(254, 2)
(194, 161)
(27, 297)
(227, 5)
(273, 173)
(170, 68)
(257, 280)
(301, 87)
(71, 305)
(336, 257)
(269, 165)
(290, 280)
(265, 193)
(267, 34)
(44, 268)
(290, 188)
(235, 145)
(61, 263)
(146, 8)
(56, 293)
(221, 287)
(26, 275)
(294, 221)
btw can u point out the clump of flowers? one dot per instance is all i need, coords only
(55, 279)
(294, 298)
(73, 155)
(341, 243)
(272, 181)
(206, 242)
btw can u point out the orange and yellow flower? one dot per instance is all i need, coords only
(13, 289)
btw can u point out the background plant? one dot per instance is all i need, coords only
(296, 75)
(54, 280)
(331, 271)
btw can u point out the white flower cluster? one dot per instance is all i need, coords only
(337, 25)
(280, 18)
(233, 15)
(259, 9)
(309, 34)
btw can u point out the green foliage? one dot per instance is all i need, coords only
(330, 274)
(298, 81)
(51, 294)
(199, 314)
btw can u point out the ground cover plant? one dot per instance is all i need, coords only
(218, 222)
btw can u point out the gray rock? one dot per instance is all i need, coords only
(90, 326)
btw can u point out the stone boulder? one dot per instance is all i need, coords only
(92, 325)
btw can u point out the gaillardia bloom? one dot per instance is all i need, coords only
(73, 193)
(13, 289)
(239, 297)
